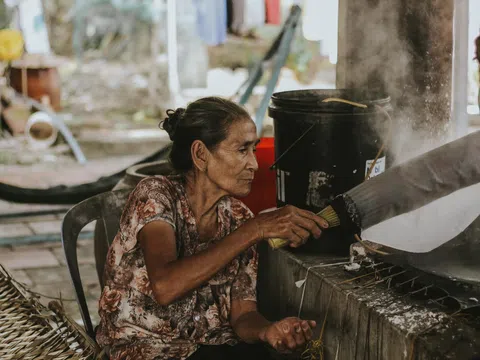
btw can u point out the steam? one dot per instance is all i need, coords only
(404, 48)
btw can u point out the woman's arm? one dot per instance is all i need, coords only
(173, 278)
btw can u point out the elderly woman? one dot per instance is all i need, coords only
(181, 273)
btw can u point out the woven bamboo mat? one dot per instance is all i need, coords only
(28, 330)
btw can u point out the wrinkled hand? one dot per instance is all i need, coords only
(288, 334)
(290, 223)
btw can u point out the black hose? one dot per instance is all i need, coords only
(63, 194)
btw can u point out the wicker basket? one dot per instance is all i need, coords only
(28, 330)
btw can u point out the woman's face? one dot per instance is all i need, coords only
(232, 164)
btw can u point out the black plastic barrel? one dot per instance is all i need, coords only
(323, 149)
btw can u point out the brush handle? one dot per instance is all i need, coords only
(328, 214)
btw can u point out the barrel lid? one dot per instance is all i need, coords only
(313, 99)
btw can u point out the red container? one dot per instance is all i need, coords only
(273, 12)
(263, 194)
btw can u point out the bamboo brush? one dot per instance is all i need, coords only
(328, 214)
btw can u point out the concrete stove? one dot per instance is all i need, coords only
(379, 311)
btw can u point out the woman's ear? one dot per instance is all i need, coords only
(200, 155)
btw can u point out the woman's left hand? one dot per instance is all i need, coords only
(288, 334)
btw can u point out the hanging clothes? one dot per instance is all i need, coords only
(212, 21)
(238, 15)
(273, 12)
(254, 14)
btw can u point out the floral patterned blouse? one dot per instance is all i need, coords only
(132, 324)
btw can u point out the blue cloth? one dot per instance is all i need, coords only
(212, 21)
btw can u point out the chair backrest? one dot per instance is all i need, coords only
(106, 207)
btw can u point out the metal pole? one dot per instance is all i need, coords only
(283, 51)
(154, 51)
(173, 81)
(460, 67)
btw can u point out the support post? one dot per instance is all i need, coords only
(461, 58)
(173, 80)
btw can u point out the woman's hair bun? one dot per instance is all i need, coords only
(170, 124)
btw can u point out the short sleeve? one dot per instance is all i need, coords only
(244, 286)
(152, 199)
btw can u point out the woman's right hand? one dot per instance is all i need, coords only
(289, 223)
(288, 334)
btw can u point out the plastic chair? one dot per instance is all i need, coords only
(107, 209)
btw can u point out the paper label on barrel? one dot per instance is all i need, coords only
(319, 188)
(377, 169)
